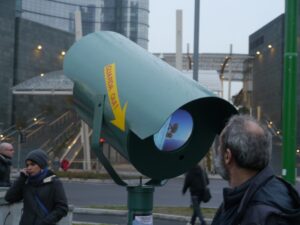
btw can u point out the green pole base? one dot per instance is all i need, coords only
(140, 204)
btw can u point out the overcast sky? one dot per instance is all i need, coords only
(222, 22)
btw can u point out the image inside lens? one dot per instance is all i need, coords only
(175, 132)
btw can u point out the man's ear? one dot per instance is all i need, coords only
(227, 156)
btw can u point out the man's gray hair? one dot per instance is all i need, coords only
(4, 145)
(249, 141)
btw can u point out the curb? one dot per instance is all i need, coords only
(88, 223)
(124, 213)
(100, 211)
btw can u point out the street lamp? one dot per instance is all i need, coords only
(39, 47)
(223, 65)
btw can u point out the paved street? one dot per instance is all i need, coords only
(97, 193)
(84, 194)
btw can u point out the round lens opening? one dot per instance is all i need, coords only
(175, 132)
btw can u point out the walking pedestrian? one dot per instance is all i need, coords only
(256, 195)
(196, 180)
(44, 199)
(6, 154)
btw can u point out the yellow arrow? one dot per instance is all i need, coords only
(112, 91)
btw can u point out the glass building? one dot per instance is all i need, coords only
(127, 17)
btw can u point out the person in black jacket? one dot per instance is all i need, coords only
(196, 181)
(255, 196)
(6, 154)
(43, 195)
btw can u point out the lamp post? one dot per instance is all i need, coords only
(227, 58)
(230, 74)
(196, 41)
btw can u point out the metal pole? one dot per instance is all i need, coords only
(85, 141)
(19, 149)
(290, 92)
(222, 86)
(84, 130)
(230, 74)
(196, 41)
(258, 113)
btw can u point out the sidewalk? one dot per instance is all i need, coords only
(123, 213)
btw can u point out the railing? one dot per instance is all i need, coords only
(11, 134)
(42, 132)
(59, 137)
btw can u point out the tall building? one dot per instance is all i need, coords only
(27, 49)
(7, 55)
(266, 45)
(127, 17)
(27, 24)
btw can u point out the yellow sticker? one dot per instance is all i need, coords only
(113, 96)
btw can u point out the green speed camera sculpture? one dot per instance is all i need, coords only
(158, 119)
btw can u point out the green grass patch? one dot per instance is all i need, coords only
(82, 175)
(184, 211)
(89, 175)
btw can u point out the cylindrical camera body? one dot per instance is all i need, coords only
(156, 117)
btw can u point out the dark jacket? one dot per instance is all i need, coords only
(263, 200)
(5, 164)
(50, 192)
(196, 181)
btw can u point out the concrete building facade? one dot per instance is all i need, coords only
(7, 51)
(266, 45)
(20, 59)
(36, 34)
(127, 17)
(31, 61)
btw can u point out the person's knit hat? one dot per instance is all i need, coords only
(39, 157)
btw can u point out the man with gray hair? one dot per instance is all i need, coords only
(6, 154)
(255, 196)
